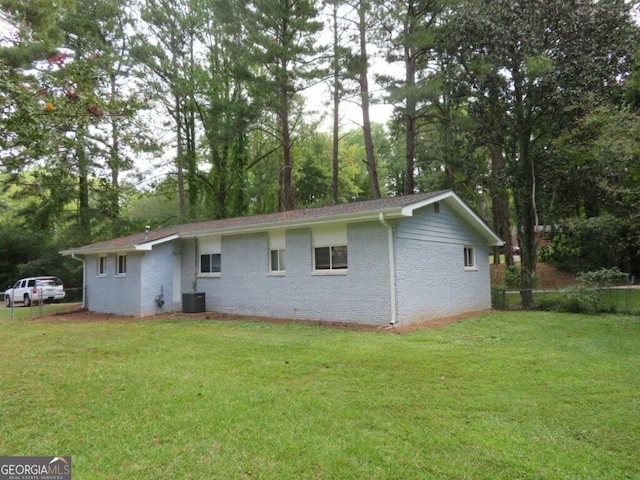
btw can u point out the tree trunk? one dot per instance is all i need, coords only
(114, 164)
(180, 158)
(286, 199)
(410, 119)
(500, 205)
(336, 109)
(526, 207)
(84, 212)
(364, 96)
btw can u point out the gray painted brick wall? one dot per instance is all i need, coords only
(112, 294)
(156, 276)
(430, 276)
(245, 286)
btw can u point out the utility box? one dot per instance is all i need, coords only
(193, 302)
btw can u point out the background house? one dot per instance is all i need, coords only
(394, 260)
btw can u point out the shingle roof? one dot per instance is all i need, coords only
(292, 217)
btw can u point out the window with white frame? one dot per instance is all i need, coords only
(121, 265)
(210, 263)
(277, 248)
(102, 265)
(331, 258)
(330, 249)
(469, 258)
(276, 261)
(210, 256)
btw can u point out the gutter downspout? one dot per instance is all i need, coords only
(194, 284)
(84, 278)
(392, 267)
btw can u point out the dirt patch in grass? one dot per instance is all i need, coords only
(80, 315)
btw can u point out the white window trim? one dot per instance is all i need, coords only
(208, 274)
(330, 271)
(281, 272)
(101, 259)
(209, 245)
(118, 272)
(277, 241)
(474, 264)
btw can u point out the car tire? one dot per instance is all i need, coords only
(27, 300)
(7, 301)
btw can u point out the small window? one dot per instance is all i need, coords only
(102, 266)
(331, 258)
(210, 263)
(436, 208)
(469, 258)
(121, 266)
(276, 261)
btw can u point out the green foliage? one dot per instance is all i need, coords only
(595, 294)
(576, 299)
(597, 242)
(25, 254)
(313, 170)
(528, 72)
(511, 276)
(603, 277)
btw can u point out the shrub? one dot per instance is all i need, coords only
(594, 294)
(577, 299)
(511, 276)
(603, 277)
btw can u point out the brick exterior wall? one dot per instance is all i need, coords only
(119, 295)
(246, 287)
(431, 279)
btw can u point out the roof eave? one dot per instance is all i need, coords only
(298, 223)
(144, 247)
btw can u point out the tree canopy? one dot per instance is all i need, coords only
(528, 109)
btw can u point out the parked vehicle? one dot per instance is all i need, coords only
(33, 290)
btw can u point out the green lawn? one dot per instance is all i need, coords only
(503, 396)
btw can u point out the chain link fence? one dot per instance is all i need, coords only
(575, 299)
(39, 307)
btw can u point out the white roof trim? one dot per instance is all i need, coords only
(297, 223)
(149, 245)
(408, 210)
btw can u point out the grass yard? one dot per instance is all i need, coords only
(503, 396)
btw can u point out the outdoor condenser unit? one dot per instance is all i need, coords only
(193, 302)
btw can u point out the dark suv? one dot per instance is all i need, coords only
(34, 290)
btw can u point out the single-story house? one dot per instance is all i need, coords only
(393, 260)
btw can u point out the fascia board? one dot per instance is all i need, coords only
(298, 223)
(149, 245)
(408, 210)
(141, 247)
(99, 251)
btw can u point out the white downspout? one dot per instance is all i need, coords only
(392, 267)
(84, 278)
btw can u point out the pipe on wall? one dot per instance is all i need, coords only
(195, 269)
(392, 267)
